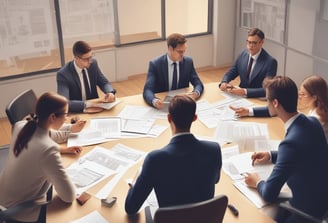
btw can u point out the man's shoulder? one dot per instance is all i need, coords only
(161, 58)
(68, 66)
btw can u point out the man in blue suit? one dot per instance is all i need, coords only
(162, 76)
(79, 78)
(252, 66)
(301, 159)
(184, 171)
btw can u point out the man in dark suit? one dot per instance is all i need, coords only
(184, 171)
(79, 78)
(301, 159)
(252, 66)
(162, 76)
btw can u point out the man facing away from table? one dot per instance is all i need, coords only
(301, 159)
(184, 171)
(171, 71)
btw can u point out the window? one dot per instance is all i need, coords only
(36, 36)
(186, 16)
(28, 37)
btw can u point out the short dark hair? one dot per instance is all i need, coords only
(182, 109)
(256, 32)
(175, 39)
(80, 48)
(284, 90)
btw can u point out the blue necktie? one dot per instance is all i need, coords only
(175, 77)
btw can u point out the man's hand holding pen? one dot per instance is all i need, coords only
(252, 179)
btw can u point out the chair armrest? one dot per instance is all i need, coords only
(8, 213)
(287, 206)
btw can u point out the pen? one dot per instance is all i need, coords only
(234, 210)
(254, 158)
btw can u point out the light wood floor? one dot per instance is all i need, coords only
(134, 85)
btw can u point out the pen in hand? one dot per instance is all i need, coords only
(253, 158)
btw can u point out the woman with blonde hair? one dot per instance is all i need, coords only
(34, 162)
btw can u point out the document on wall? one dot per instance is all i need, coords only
(93, 216)
(101, 163)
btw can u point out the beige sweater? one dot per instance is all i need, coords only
(29, 175)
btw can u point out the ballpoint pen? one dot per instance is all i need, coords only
(233, 209)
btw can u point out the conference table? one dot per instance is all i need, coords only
(58, 211)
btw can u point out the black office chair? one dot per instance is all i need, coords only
(21, 106)
(210, 211)
(287, 206)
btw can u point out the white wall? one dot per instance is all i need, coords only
(119, 63)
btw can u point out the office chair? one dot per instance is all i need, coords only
(287, 206)
(4, 150)
(21, 106)
(209, 211)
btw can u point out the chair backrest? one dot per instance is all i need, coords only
(209, 211)
(4, 151)
(21, 106)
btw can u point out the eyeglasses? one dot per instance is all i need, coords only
(88, 59)
(254, 43)
(180, 51)
(57, 114)
(302, 95)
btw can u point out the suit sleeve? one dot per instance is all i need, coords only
(150, 85)
(102, 81)
(140, 191)
(261, 111)
(195, 81)
(282, 170)
(233, 72)
(54, 170)
(63, 89)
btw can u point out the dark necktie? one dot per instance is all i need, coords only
(175, 77)
(249, 68)
(86, 84)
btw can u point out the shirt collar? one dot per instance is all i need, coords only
(170, 62)
(256, 55)
(290, 121)
(77, 68)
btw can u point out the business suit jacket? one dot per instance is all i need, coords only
(157, 77)
(301, 161)
(184, 171)
(69, 85)
(265, 66)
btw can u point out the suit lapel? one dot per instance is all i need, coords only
(181, 76)
(165, 72)
(258, 67)
(75, 76)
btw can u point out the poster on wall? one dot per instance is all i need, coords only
(267, 15)
(26, 29)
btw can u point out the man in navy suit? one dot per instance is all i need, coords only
(184, 171)
(79, 78)
(252, 66)
(161, 74)
(301, 159)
